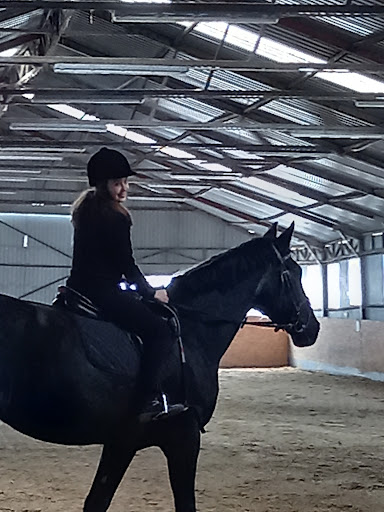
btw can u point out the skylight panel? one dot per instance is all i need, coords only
(177, 153)
(137, 137)
(10, 52)
(354, 81)
(88, 117)
(279, 52)
(117, 130)
(213, 166)
(128, 134)
(67, 110)
(215, 29)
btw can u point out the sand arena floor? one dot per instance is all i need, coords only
(281, 440)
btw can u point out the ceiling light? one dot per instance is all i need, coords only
(15, 180)
(119, 69)
(31, 157)
(157, 198)
(51, 101)
(334, 134)
(37, 149)
(260, 19)
(94, 127)
(201, 177)
(20, 171)
(369, 104)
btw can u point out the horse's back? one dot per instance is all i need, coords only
(63, 378)
(106, 346)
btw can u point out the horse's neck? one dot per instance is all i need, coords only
(216, 317)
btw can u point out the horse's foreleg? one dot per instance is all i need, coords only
(113, 464)
(182, 450)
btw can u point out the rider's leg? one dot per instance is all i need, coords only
(134, 315)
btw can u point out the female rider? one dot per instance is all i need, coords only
(102, 258)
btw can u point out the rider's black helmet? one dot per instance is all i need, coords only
(107, 164)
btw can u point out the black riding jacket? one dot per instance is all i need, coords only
(102, 250)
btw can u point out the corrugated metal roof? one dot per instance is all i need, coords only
(309, 180)
(321, 193)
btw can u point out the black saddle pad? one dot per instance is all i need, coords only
(108, 347)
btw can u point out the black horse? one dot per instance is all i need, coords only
(72, 380)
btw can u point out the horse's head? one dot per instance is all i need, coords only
(280, 294)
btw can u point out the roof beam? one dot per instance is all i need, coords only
(250, 125)
(234, 12)
(313, 131)
(57, 147)
(77, 95)
(122, 65)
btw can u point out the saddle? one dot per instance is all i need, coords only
(73, 301)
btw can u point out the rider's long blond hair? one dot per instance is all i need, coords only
(96, 199)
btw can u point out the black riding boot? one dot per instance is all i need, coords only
(156, 403)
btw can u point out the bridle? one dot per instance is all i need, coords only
(297, 326)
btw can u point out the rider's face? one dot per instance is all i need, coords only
(118, 189)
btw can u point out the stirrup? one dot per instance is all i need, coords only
(161, 410)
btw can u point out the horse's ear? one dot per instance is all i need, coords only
(272, 231)
(284, 240)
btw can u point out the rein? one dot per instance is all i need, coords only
(286, 279)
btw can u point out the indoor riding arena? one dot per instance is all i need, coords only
(252, 124)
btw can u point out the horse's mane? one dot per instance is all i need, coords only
(223, 270)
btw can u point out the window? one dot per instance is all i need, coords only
(334, 301)
(354, 282)
(312, 282)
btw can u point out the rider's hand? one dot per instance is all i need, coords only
(162, 295)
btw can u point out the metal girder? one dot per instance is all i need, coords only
(72, 95)
(262, 149)
(233, 11)
(339, 131)
(45, 124)
(38, 205)
(112, 65)
(330, 252)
